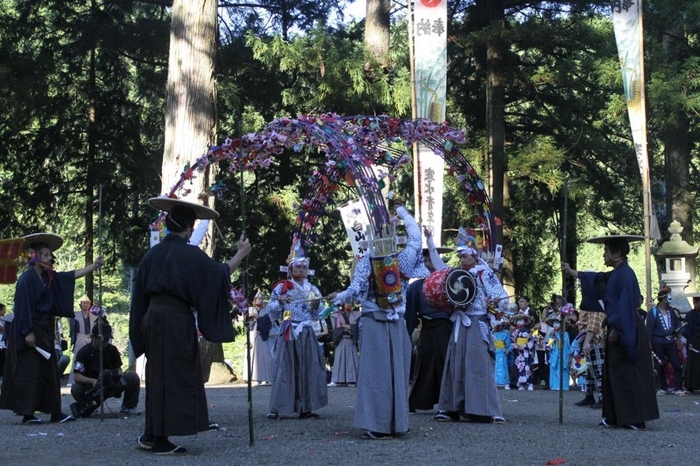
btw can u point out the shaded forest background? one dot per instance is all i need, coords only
(82, 103)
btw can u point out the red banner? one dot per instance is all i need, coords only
(9, 259)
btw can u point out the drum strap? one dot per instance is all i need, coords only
(459, 318)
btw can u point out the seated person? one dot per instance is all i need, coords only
(86, 389)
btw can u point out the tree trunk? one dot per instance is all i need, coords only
(495, 130)
(190, 112)
(190, 115)
(90, 172)
(676, 136)
(378, 14)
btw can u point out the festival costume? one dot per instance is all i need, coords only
(540, 367)
(468, 385)
(174, 280)
(592, 321)
(31, 382)
(431, 352)
(691, 331)
(523, 347)
(81, 326)
(501, 341)
(628, 384)
(556, 346)
(299, 372)
(345, 361)
(385, 347)
(260, 355)
(662, 329)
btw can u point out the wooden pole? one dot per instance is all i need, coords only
(414, 114)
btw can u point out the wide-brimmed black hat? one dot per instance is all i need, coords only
(54, 242)
(166, 204)
(606, 238)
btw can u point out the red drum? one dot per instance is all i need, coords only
(449, 288)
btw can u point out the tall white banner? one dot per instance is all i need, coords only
(430, 55)
(355, 220)
(431, 170)
(627, 22)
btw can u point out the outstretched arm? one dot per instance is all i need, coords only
(90, 268)
(243, 250)
(435, 258)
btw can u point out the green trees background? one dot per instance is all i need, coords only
(82, 88)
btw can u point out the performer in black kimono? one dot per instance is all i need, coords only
(432, 344)
(175, 280)
(629, 397)
(32, 383)
(691, 331)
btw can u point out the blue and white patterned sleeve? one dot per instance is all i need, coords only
(435, 258)
(274, 307)
(494, 289)
(359, 284)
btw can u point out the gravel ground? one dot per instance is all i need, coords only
(531, 435)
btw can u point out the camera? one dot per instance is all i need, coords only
(113, 385)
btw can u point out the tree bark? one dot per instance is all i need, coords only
(679, 201)
(190, 124)
(190, 112)
(495, 129)
(378, 14)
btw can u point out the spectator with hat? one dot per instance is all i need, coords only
(41, 295)
(662, 327)
(111, 380)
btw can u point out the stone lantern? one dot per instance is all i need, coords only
(675, 251)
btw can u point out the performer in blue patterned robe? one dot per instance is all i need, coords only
(381, 408)
(468, 383)
(299, 372)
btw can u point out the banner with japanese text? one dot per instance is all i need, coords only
(355, 220)
(627, 22)
(430, 57)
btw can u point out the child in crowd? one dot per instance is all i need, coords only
(523, 346)
(501, 337)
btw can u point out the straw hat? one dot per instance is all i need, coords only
(54, 242)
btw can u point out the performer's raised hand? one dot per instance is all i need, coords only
(243, 250)
(244, 245)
